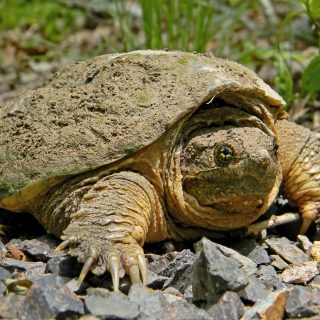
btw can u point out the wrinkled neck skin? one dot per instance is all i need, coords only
(213, 198)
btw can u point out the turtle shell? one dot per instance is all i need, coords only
(99, 111)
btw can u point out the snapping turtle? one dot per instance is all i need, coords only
(151, 145)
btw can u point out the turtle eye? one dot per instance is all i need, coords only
(223, 155)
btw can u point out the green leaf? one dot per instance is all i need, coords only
(314, 7)
(311, 77)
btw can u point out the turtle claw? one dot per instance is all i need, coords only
(66, 243)
(305, 226)
(114, 267)
(143, 268)
(134, 274)
(85, 269)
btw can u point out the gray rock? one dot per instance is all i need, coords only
(270, 278)
(229, 307)
(315, 283)
(271, 307)
(188, 294)
(182, 277)
(18, 265)
(64, 265)
(4, 274)
(151, 303)
(114, 305)
(254, 291)
(176, 266)
(49, 297)
(302, 302)
(181, 310)
(278, 262)
(155, 305)
(215, 273)
(173, 291)
(300, 274)
(304, 243)
(287, 250)
(245, 264)
(36, 249)
(10, 306)
(252, 250)
(155, 281)
(3, 288)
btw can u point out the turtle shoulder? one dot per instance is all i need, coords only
(99, 111)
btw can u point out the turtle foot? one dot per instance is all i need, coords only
(117, 258)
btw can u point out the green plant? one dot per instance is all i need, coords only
(54, 19)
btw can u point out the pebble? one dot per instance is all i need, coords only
(271, 307)
(287, 250)
(252, 250)
(254, 291)
(278, 262)
(268, 275)
(155, 281)
(115, 305)
(304, 243)
(300, 274)
(302, 302)
(18, 265)
(4, 274)
(215, 273)
(36, 249)
(49, 297)
(10, 306)
(229, 307)
(64, 265)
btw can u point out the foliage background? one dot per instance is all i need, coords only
(280, 40)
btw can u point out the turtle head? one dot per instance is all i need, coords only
(231, 169)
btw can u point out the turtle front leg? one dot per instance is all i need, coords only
(113, 221)
(299, 155)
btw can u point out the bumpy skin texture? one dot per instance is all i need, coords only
(147, 146)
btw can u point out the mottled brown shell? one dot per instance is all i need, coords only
(96, 112)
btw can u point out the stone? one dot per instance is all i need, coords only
(64, 266)
(188, 294)
(3, 288)
(271, 307)
(155, 281)
(302, 302)
(49, 297)
(245, 264)
(157, 305)
(10, 306)
(150, 302)
(315, 251)
(315, 283)
(36, 249)
(249, 248)
(229, 307)
(173, 291)
(254, 291)
(181, 310)
(287, 250)
(278, 262)
(176, 266)
(115, 305)
(215, 273)
(300, 274)
(304, 243)
(18, 265)
(4, 274)
(270, 278)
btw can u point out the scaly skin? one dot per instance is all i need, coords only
(300, 159)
